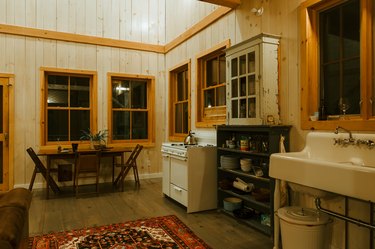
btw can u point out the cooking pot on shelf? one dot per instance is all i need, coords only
(190, 139)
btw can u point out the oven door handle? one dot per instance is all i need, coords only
(177, 189)
(179, 158)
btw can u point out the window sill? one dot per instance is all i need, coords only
(355, 125)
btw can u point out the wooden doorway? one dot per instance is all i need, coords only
(6, 117)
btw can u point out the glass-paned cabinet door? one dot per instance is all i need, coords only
(243, 95)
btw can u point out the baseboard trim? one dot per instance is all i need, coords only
(41, 185)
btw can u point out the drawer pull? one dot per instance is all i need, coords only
(177, 189)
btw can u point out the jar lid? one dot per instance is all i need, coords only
(303, 216)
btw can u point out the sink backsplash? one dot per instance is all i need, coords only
(324, 146)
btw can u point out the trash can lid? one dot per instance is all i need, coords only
(303, 216)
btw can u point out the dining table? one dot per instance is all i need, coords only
(68, 153)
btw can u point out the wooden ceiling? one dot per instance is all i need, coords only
(227, 3)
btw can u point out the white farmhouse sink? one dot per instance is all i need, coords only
(343, 169)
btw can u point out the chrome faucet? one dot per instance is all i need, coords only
(346, 130)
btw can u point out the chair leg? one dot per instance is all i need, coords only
(136, 176)
(32, 179)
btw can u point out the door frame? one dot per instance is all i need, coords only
(9, 128)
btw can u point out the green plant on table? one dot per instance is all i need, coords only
(99, 137)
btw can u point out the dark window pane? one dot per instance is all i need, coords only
(182, 86)
(235, 108)
(212, 72)
(209, 98)
(243, 86)
(252, 108)
(242, 64)
(222, 69)
(251, 84)
(340, 53)
(242, 108)
(58, 125)
(331, 88)
(58, 90)
(139, 94)
(79, 120)
(79, 92)
(234, 88)
(120, 94)
(140, 125)
(220, 96)
(1, 109)
(185, 118)
(251, 62)
(330, 36)
(178, 118)
(121, 125)
(351, 85)
(1, 163)
(234, 68)
(351, 34)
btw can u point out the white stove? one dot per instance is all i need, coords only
(189, 174)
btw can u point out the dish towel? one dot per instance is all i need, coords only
(283, 184)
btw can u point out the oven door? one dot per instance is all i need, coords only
(179, 179)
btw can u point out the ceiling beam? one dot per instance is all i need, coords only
(227, 3)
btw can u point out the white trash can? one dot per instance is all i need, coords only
(303, 228)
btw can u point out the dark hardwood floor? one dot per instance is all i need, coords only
(65, 212)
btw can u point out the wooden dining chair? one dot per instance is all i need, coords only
(131, 163)
(40, 168)
(87, 165)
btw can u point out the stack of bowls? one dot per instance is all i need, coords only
(245, 164)
(229, 162)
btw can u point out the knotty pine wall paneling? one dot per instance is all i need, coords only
(24, 56)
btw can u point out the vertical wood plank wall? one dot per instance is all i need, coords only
(131, 20)
(155, 22)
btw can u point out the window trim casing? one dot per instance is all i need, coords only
(200, 121)
(309, 71)
(43, 115)
(172, 72)
(150, 142)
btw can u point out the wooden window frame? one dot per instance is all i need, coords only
(309, 76)
(150, 141)
(201, 60)
(172, 99)
(44, 107)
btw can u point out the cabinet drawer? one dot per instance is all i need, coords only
(178, 194)
(179, 173)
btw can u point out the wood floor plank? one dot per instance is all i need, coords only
(65, 212)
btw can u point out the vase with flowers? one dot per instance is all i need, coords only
(97, 140)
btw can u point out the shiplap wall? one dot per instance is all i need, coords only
(131, 20)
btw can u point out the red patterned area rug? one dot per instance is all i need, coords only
(160, 232)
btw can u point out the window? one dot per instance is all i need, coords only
(68, 105)
(179, 101)
(211, 87)
(337, 72)
(131, 117)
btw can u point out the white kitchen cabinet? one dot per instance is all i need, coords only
(252, 81)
